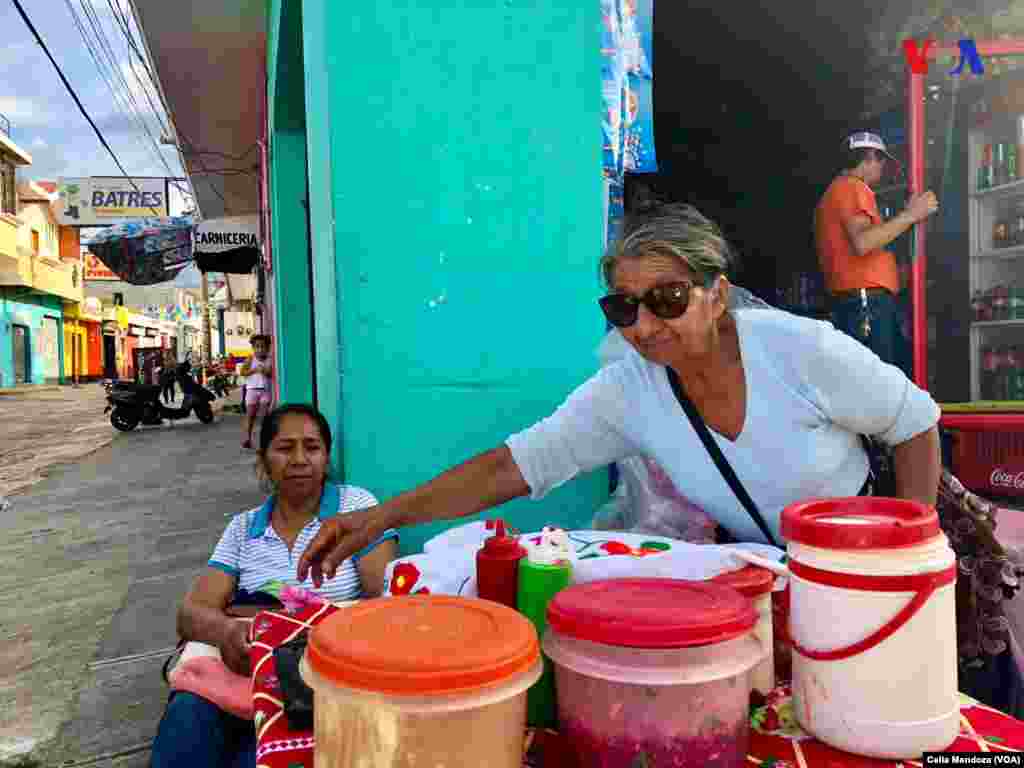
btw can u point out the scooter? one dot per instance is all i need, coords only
(130, 404)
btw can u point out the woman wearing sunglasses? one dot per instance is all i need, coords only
(785, 401)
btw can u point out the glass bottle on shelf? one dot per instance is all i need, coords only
(999, 165)
(1000, 232)
(1017, 228)
(1011, 162)
(1015, 378)
(1009, 370)
(978, 306)
(985, 171)
(1002, 374)
(1000, 303)
(1015, 303)
(989, 370)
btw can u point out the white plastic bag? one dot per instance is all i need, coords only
(646, 501)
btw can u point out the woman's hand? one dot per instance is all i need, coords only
(234, 646)
(483, 482)
(341, 537)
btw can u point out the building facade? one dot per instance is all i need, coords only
(433, 279)
(36, 286)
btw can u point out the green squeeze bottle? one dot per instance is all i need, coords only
(543, 573)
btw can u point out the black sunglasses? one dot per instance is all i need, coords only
(667, 301)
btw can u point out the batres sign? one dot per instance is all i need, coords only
(97, 201)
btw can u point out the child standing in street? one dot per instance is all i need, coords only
(259, 373)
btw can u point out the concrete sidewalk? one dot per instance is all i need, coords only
(95, 559)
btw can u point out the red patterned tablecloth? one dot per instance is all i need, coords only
(776, 739)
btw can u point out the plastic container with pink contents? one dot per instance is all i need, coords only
(654, 672)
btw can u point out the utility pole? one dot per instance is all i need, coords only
(205, 299)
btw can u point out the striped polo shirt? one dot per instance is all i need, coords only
(251, 551)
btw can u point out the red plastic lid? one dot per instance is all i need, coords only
(423, 645)
(651, 613)
(860, 522)
(750, 581)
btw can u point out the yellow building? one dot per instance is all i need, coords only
(39, 244)
(35, 285)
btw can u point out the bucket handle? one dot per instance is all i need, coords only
(922, 585)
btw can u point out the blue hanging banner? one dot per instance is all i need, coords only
(627, 87)
(616, 210)
(638, 126)
(627, 124)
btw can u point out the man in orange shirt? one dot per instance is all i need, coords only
(861, 277)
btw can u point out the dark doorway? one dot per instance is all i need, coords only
(22, 356)
(109, 356)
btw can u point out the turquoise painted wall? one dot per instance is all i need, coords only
(455, 166)
(290, 280)
(17, 308)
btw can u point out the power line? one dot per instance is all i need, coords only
(112, 66)
(78, 102)
(121, 15)
(170, 117)
(105, 75)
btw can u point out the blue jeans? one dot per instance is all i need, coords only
(195, 733)
(886, 339)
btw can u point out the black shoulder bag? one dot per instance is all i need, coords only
(717, 457)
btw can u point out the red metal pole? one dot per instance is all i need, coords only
(915, 182)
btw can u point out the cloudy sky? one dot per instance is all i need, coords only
(44, 119)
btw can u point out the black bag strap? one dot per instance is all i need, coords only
(717, 456)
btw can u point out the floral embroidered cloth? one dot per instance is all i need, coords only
(776, 740)
(447, 565)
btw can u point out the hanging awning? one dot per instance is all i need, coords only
(230, 244)
(145, 251)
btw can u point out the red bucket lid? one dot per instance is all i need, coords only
(651, 613)
(860, 522)
(751, 581)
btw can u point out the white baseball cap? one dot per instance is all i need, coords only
(867, 140)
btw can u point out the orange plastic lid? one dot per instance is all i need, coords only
(423, 644)
(750, 581)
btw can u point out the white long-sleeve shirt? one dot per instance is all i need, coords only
(811, 391)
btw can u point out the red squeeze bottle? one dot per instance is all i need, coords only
(497, 567)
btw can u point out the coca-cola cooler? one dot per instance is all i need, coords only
(990, 462)
(966, 282)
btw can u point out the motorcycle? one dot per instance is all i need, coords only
(130, 404)
(219, 381)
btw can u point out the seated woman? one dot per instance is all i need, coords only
(260, 546)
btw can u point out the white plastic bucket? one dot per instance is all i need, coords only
(873, 625)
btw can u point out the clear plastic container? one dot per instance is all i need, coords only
(356, 730)
(757, 584)
(421, 681)
(673, 707)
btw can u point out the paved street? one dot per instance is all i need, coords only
(48, 427)
(95, 557)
